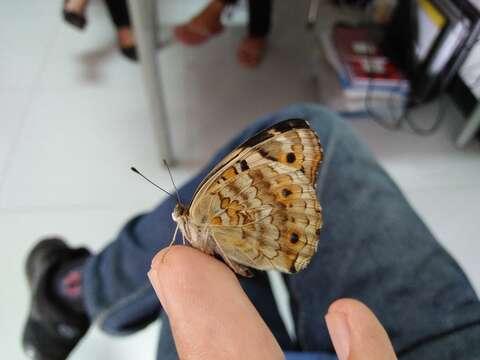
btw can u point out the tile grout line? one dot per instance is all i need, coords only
(23, 118)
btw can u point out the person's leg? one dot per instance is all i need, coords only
(260, 17)
(375, 248)
(119, 14)
(252, 47)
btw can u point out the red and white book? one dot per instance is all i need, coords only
(364, 64)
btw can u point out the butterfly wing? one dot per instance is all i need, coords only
(259, 204)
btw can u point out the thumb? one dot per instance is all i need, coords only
(210, 315)
(356, 333)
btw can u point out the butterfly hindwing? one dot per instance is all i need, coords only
(276, 226)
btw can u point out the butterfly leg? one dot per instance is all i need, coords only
(171, 242)
(241, 269)
(236, 267)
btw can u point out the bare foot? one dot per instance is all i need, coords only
(76, 6)
(251, 51)
(203, 26)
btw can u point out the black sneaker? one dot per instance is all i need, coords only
(52, 330)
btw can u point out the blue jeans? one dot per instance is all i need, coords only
(373, 247)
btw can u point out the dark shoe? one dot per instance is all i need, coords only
(73, 18)
(52, 330)
(130, 52)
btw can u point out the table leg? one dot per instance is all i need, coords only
(144, 19)
(469, 130)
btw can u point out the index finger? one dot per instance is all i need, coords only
(210, 315)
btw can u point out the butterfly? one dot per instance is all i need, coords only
(258, 207)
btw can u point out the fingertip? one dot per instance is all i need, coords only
(357, 313)
(183, 271)
(366, 333)
(347, 306)
(160, 257)
(179, 274)
(186, 260)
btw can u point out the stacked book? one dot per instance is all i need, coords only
(365, 76)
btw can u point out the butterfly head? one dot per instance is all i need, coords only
(179, 213)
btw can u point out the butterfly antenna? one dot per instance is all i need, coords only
(150, 181)
(173, 182)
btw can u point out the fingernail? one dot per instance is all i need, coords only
(339, 330)
(157, 286)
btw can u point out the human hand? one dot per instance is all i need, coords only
(212, 318)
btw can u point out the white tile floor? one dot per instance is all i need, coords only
(74, 119)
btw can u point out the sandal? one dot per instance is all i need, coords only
(74, 18)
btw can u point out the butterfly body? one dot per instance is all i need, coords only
(258, 207)
(196, 235)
